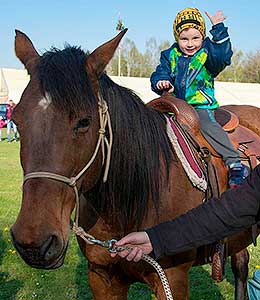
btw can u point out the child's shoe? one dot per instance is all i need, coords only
(237, 173)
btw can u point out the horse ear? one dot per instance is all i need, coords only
(99, 58)
(25, 50)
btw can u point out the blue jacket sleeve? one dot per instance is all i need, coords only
(237, 209)
(219, 49)
(163, 71)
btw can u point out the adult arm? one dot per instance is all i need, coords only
(236, 210)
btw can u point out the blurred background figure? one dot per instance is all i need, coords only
(10, 124)
(2, 124)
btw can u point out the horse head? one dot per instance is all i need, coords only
(59, 125)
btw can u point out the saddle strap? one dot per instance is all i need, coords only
(254, 234)
(219, 261)
(253, 161)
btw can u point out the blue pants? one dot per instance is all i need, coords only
(10, 125)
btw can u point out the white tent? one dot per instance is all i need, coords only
(226, 92)
(14, 81)
(3, 88)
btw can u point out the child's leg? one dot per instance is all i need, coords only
(0, 134)
(219, 140)
(217, 137)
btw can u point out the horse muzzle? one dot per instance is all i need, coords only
(48, 254)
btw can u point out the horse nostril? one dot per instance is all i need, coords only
(16, 244)
(46, 251)
(50, 248)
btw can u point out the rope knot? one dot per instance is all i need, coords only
(103, 106)
(102, 131)
(73, 181)
(82, 233)
(78, 230)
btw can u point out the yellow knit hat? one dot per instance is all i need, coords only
(189, 18)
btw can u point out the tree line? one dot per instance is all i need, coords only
(129, 61)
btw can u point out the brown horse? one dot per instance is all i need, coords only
(59, 125)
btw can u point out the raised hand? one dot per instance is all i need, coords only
(217, 18)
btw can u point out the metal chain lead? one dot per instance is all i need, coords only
(157, 267)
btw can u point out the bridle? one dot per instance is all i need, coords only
(106, 146)
(102, 142)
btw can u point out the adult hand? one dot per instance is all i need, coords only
(164, 85)
(217, 18)
(138, 243)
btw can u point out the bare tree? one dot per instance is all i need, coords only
(132, 57)
(234, 72)
(252, 67)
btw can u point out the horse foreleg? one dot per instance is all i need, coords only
(178, 280)
(239, 265)
(106, 285)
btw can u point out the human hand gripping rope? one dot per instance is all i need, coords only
(112, 248)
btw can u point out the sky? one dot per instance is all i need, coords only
(90, 23)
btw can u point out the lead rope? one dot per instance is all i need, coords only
(72, 182)
(111, 247)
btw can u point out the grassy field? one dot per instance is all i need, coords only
(19, 281)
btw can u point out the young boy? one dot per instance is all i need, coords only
(188, 68)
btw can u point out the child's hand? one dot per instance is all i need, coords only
(164, 85)
(217, 18)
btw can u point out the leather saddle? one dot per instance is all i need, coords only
(243, 139)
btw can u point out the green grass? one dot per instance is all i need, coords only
(21, 282)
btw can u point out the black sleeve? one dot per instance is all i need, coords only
(236, 209)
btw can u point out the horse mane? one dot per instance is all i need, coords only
(62, 75)
(140, 142)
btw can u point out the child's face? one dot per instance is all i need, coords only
(190, 41)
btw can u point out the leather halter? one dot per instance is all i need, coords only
(102, 142)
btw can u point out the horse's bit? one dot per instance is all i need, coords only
(102, 142)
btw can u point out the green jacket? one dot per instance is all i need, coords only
(193, 77)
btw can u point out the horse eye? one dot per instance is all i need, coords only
(82, 123)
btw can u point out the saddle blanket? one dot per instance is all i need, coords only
(185, 154)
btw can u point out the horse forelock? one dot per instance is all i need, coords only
(139, 143)
(63, 79)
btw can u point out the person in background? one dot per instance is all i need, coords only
(188, 68)
(10, 123)
(235, 210)
(2, 124)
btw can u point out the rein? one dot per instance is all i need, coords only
(104, 143)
